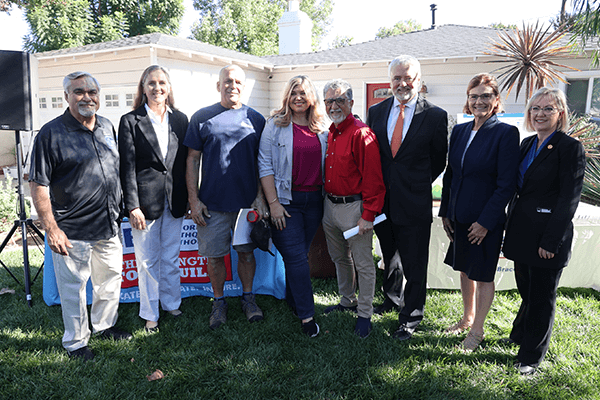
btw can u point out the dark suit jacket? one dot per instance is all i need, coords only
(541, 213)
(145, 178)
(480, 188)
(420, 159)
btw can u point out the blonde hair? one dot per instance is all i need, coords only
(561, 101)
(283, 116)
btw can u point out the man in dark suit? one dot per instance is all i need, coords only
(412, 134)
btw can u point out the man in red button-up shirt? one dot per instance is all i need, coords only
(355, 195)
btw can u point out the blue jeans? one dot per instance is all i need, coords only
(293, 242)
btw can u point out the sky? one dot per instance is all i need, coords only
(361, 19)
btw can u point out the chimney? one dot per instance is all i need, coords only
(433, 8)
(295, 30)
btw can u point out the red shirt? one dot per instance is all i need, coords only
(353, 165)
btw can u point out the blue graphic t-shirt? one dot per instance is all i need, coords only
(228, 140)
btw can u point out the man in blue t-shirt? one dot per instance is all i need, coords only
(226, 136)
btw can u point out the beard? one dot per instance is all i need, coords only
(84, 110)
(404, 96)
(337, 118)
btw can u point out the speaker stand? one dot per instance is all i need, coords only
(24, 223)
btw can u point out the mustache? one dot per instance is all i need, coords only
(86, 103)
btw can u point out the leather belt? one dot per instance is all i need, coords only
(344, 199)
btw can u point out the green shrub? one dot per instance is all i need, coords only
(8, 204)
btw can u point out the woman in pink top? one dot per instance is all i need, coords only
(290, 161)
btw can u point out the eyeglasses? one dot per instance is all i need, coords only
(407, 79)
(81, 92)
(339, 100)
(484, 97)
(546, 110)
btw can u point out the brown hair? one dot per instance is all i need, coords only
(488, 80)
(283, 116)
(140, 97)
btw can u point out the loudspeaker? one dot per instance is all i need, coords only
(16, 107)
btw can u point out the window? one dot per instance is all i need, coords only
(129, 99)
(583, 96)
(111, 100)
(43, 102)
(57, 102)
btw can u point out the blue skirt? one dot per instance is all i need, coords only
(479, 262)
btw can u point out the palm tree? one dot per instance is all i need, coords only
(587, 25)
(530, 53)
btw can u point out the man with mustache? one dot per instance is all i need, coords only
(413, 143)
(76, 191)
(226, 135)
(355, 194)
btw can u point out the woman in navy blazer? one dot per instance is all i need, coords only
(539, 231)
(153, 179)
(478, 183)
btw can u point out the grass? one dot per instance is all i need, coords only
(271, 359)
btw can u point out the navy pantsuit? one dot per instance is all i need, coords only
(540, 215)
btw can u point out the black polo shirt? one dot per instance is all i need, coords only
(81, 169)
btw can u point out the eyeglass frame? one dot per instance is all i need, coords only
(340, 101)
(549, 110)
(483, 96)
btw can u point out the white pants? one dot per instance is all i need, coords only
(157, 258)
(102, 261)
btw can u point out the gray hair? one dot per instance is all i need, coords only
(338, 84)
(405, 60)
(76, 75)
(561, 101)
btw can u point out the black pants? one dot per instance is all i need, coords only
(405, 252)
(532, 326)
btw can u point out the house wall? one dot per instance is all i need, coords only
(446, 80)
(193, 79)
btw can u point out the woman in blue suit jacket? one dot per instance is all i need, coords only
(153, 179)
(480, 179)
(290, 166)
(539, 229)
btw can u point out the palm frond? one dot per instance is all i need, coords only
(530, 52)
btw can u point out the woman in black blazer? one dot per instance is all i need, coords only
(478, 183)
(153, 179)
(539, 230)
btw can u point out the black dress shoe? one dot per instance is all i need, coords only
(83, 352)
(402, 333)
(525, 369)
(115, 334)
(385, 307)
(508, 342)
(339, 307)
(363, 327)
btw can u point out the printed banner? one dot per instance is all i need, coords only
(269, 278)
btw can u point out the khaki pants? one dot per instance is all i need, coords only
(102, 260)
(353, 258)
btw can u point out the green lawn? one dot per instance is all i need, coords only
(271, 359)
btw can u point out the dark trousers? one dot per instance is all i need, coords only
(405, 252)
(293, 242)
(532, 326)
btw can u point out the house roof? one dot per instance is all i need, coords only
(159, 40)
(445, 41)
